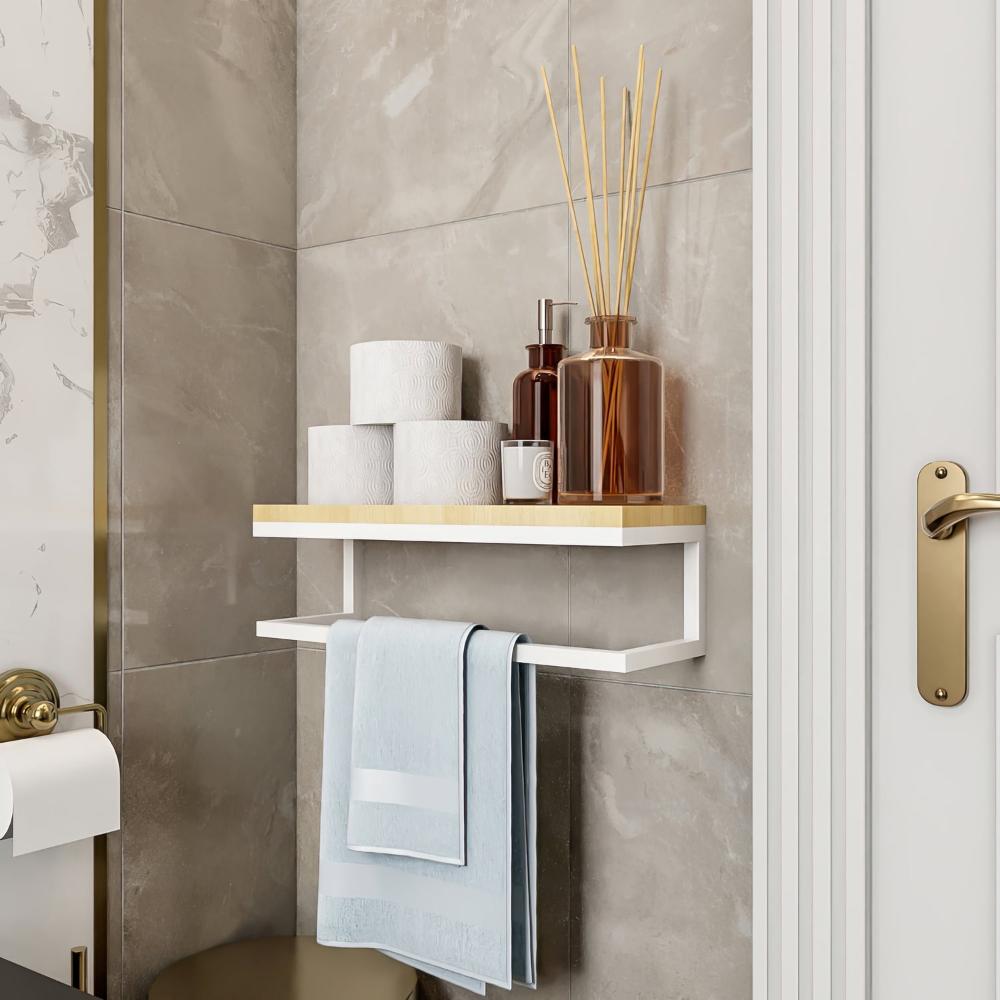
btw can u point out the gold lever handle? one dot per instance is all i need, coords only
(940, 519)
(29, 706)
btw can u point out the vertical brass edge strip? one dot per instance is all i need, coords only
(100, 451)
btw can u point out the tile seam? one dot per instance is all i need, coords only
(681, 181)
(203, 229)
(207, 659)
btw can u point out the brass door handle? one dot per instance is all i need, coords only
(940, 519)
(943, 507)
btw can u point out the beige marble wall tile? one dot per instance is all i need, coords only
(114, 439)
(208, 809)
(425, 113)
(210, 114)
(474, 284)
(692, 300)
(518, 588)
(209, 410)
(704, 48)
(115, 952)
(661, 843)
(114, 102)
(308, 783)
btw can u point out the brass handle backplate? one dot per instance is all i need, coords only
(943, 508)
(29, 705)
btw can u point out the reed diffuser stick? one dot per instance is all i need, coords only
(595, 244)
(569, 192)
(633, 160)
(642, 197)
(604, 172)
(621, 171)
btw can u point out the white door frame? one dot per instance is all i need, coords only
(811, 499)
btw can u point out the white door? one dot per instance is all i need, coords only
(934, 397)
(46, 422)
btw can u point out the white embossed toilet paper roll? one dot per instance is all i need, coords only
(396, 380)
(447, 461)
(350, 464)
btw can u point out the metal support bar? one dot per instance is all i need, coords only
(312, 629)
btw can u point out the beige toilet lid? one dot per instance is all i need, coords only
(285, 968)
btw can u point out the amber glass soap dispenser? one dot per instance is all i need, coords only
(536, 389)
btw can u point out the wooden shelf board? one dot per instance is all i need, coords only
(507, 515)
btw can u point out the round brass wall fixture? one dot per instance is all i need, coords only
(29, 705)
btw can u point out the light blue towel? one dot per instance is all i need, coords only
(408, 745)
(471, 924)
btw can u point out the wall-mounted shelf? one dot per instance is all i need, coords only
(660, 524)
(682, 524)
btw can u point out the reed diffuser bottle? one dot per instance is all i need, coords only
(611, 396)
(611, 420)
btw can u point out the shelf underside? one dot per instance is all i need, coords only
(658, 524)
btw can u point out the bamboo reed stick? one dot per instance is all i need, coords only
(621, 172)
(595, 244)
(569, 191)
(604, 172)
(642, 197)
(631, 176)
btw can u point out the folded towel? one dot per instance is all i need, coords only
(408, 745)
(471, 924)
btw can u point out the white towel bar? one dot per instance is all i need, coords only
(312, 630)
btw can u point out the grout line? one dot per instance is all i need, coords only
(207, 659)
(204, 229)
(489, 215)
(585, 677)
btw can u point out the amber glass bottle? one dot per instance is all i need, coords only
(610, 420)
(536, 389)
(536, 396)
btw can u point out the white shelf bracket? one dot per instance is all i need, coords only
(313, 629)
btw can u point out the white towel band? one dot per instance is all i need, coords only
(460, 903)
(398, 788)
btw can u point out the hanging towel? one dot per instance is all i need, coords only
(473, 924)
(408, 745)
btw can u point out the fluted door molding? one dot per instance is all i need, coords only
(811, 499)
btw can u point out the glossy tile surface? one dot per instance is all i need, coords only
(704, 49)
(115, 262)
(308, 783)
(209, 127)
(692, 299)
(209, 411)
(661, 843)
(209, 808)
(472, 283)
(425, 113)
(114, 102)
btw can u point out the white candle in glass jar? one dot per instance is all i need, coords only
(527, 468)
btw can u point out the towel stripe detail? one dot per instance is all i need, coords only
(460, 903)
(397, 788)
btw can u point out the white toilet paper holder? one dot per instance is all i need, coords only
(29, 705)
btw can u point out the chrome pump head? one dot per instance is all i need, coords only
(545, 325)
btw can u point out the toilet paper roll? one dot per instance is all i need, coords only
(447, 461)
(350, 464)
(57, 789)
(396, 380)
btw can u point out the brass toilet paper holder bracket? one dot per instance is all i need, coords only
(29, 705)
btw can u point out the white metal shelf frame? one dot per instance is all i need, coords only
(312, 630)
